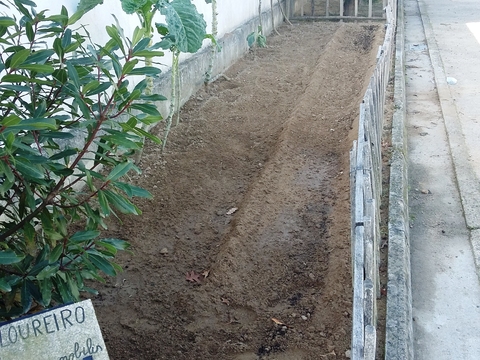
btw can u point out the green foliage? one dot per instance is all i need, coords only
(69, 123)
(256, 38)
(87, 5)
(186, 27)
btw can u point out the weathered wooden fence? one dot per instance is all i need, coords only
(333, 9)
(366, 190)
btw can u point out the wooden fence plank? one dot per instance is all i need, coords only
(358, 331)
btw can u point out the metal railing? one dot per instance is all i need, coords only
(366, 190)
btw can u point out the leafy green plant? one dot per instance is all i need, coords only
(184, 31)
(257, 38)
(69, 124)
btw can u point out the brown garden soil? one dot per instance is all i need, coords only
(252, 194)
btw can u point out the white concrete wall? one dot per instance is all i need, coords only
(232, 14)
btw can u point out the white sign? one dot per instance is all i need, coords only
(68, 332)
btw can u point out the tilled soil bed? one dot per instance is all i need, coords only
(252, 195)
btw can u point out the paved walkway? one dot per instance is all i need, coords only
(442, 49)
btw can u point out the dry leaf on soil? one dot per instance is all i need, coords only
(193, 277)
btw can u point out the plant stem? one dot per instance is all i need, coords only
(213, 50)
(175, 56)
(283, 13)
(273, 18)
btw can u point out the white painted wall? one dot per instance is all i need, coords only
(232, 14)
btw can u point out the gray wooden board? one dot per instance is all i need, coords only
(68, 332)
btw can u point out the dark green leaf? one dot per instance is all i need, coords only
(39, 57)
(16, 78)
(119, 170)
(15, 87)
(4, 285)
(67, 38)
(56, 253)
(132, 190)
(60, 75)
(8, 257)
(42, 69)
(26, 297)
(104, 206)
(27, 169)
(149, 109)
(117, 243)
(73, 74)
(154, 97)
(81, 236)
(99, 89)
(63, 154)
(47, 272)
(146, 71)
(102, 264)
(121, 203)
(46, 290)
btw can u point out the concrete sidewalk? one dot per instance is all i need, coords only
(442, 55)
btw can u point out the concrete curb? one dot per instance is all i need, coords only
(467, 182)
(399, 327)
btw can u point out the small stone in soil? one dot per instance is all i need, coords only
(164, 251)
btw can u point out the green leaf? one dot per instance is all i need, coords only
(132, 6)
(56, 253)
(104, 206)
(113, 32)
(8, 257)
(132, 190)
(26, 297)
(7, 21)
(47, 272)
(73, 74)
(99, 89)
(39, 57)
(39, 68)
(117, 243)
(185, 24)
(138, 34)
(59, 19)
(29, 31)
(27, 169)
(87, 235)
(67, 38)
(119, 170)
(61, 75)
(10, 120)
(18, 58)
(154, 97)
(121, 203)
(145, 71)
(46, 290)
(102, 264)
(63, 154)
(129, 66)
(4, 285)
(149, 109)
(150, 120)
(15, 87)
(36, 124)
(16, 78)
